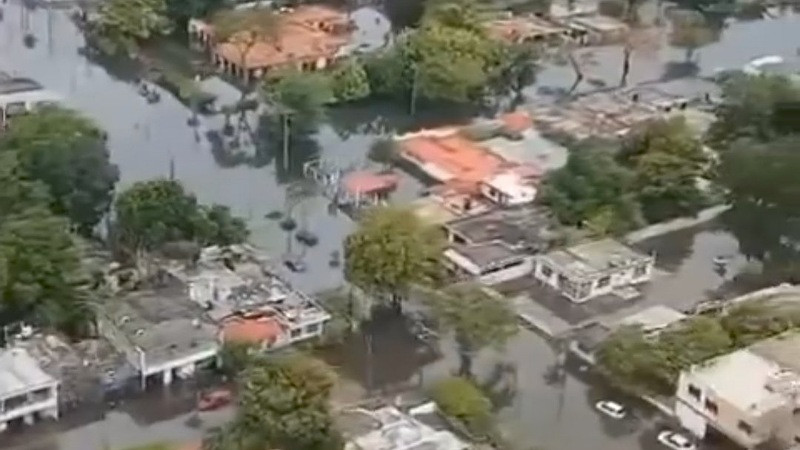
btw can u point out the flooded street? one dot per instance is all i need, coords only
(145, 139)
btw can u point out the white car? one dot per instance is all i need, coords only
(611, 409)
(675, 440)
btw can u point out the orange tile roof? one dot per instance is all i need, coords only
(467, 162)
(256, 331)
(301, 38)
(366, 182)
(517, 121)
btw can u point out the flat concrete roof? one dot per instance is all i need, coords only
(517, 227)
(20, 373)
(784, 350)
(654, 318)
(595, 256)
(14, 85)
(485, 255)
(741, 379)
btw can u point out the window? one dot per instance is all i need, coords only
(711, 407)
(547, 271)
(797, 439)
(603, 282)
(295, 333)
(640, 270)
(744, 426)
(313, 328)
(694, 391)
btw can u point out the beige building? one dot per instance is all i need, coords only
(751, 395)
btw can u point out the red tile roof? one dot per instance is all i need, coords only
(517, 121)
(306, 34)
(364, 182)
(256, 330)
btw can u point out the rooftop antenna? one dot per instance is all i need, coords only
(172, 168)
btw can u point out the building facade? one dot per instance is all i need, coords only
(751, 395)
(593, 269)
(26, 391)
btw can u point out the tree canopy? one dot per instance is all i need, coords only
(690, 31)
(759, 107)
(391, 251)
(303, 95)
(459, 398)
(245, 27)
(153, 213)
(651, 364)
(478, 320)
(67, 153)
(668, 161)
(349, 81)
(283, 403)
(593, 191)
(122, 25)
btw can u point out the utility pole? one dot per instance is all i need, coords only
(285, 141)
(413, 102)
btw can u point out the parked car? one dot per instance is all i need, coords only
(295, 264)
(611, 409)
(675, 440)
(214, 400)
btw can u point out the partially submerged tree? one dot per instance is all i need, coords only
(123, 25)
(461, 399)
(349, 81)
(668, 161)
(690, 31)
(67, 153)
(153, 213)
(478, 320)
(392, 251)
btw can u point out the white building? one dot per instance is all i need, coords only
(25, 389)
(596, 268)
(751, 395)
(22, 95)
(160, 331)
(489, 263)
(388, 428)
(508, 189)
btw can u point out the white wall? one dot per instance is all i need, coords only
(619, 278)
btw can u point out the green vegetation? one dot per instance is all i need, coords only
(690, 31)
(349, 81)
(668, 161)
(650, 365)
(462, 400)
(301, 95)
(153, 213)
(59, 148)
(121, 26)
(593, 191)
(283, 403)
(55, 178)
(478, 320)
(651, 176)
(392, 251)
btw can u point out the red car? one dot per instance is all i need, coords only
(210, 401)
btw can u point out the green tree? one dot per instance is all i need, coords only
(153, 213)
(180, 11)
(389, 70)
(593, 186)
(477, 319)
(518, 68)
(459, 398)
(67, 153)
(302, 95)
(391, 251)
(122, 25)
(350, 82)
(690, 31)
(755, 107)
(42, 273)
(283, 403)
(668, 161)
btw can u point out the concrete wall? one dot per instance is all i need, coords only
(727, 416)
(598, 286)
(44, 406)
